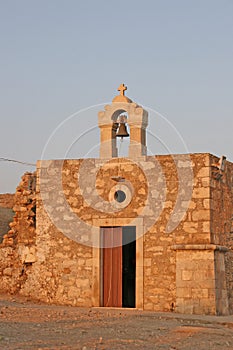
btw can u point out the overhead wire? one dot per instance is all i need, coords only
(16, 161)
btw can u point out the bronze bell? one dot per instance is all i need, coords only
(122, 131)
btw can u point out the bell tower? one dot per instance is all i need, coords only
(112, 124)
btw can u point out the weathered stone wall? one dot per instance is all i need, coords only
(221, 209)
(195, 286)
(222, 301)
(18, 243)
(24, 223)
(229, 278)
(221, 205)
(174, 204)
(67, 265)
(62, 270)
(195, 281)
(160, 265)
(195, 227)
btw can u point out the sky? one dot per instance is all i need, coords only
(62, 62)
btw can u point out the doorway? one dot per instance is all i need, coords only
(118, 266)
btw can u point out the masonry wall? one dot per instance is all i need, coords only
(214, 189)
(195, 281)
(186, 266)
(19, 242)
(195, 274)
(64, 269)
(221, 209)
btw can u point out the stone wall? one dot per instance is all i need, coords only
(229, 279)
(195, 281)
(221, 204)
(68, 265)
(222, 301)
(18, 243)
(221, 209)
(24, 223)
(185, 257)
(195, 286)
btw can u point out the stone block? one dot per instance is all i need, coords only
(8, 271)
(205, 181)
(201, 192)
(183, 292)
(147, 262)
(204, 172)
(201, 215)
(184, 306)
(187, 275)
(206, 226)
(190, 227)
(200, 293)
(204, 275)
(206, 203)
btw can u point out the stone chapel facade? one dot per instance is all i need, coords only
(148, 232)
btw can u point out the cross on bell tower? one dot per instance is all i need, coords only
(122, 88)
(122, 98)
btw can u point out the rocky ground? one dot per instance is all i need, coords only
(28, 326)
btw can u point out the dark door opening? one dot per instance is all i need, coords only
(119, 266)
(129, 266)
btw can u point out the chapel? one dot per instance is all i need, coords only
(140, 231)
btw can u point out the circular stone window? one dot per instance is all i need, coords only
(119, 196)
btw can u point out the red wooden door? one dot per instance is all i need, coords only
(112, 266)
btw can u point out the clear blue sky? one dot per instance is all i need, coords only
(58, 57)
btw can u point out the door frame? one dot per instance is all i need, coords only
(97, 291)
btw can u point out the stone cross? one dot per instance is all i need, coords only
(122, 89)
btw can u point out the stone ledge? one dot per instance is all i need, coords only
(199, 247)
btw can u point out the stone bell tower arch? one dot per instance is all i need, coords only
(137, 122)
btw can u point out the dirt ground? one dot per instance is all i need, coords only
(27, 326)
